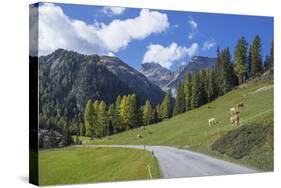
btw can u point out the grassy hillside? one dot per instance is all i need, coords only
(191, 131)
(83, 165)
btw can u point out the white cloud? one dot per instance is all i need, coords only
(57, 30)
(119, 33)
(208, 45)
(166, 56)
(194, 27)
(113, 10)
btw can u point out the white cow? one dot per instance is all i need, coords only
(212, 121)
(234, 120)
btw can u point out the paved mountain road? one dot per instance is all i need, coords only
(176, 163)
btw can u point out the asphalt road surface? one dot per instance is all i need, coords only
(175, 163)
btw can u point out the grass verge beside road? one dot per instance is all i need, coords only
(87, 165)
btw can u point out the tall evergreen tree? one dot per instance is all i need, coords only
(132, 111)
(187, 88)
(89, 119)
(180, 101)
(240, 59)
(203, 87)
(166, 108)
(225, 76)
(137, 116)
(196, 92)
(256, 57)
(211, 86)
(147, 113)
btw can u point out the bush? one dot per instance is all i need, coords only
(238, 143)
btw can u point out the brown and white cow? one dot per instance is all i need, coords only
(234, 120)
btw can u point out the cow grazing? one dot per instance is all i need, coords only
(212, 121)
(234, 120)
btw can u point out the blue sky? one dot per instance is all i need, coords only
(170, 38)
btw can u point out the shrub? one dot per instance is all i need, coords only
(238, 143)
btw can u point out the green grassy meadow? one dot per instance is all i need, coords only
(190, 130)
(88, 164)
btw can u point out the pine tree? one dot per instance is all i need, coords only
(240, 59)
(180, 101)
(147, 113)
(196, 92)
(225, 76)
(138, 112)
(211, 86)
(187, 86)
(256, 57)
(203, 87)
(89, 119)
(166, 108)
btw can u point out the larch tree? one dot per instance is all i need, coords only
(89, 119)
(147, 113)
(123, 113)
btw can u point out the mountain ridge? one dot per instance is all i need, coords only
(168, 80)
(68, 79)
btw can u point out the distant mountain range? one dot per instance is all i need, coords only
(167, 79)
